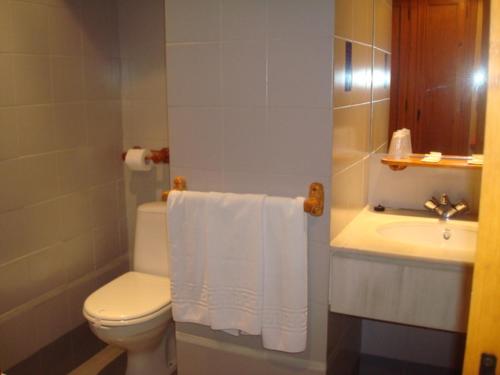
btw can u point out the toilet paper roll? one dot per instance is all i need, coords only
(136, 160)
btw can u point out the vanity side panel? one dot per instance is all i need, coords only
(435, 298)
(400, 291)
(365, 288)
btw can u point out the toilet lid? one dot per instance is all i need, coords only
(130, 296)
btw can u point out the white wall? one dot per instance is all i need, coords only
(249, 107)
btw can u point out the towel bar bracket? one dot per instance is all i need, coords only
(179, 184)
(313, 205)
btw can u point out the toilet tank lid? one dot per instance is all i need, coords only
(132, 295)
(155, 207)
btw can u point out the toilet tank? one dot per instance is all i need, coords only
(151, 252)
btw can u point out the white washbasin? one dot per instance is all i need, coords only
(442, 235)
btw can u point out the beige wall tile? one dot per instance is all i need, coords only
(351, 135)
(103, 164)
(45, 234)
(196, 81)
(13, 334)
(104, 205)
(65, 33)
(52, 318)
(77, 295)
(100, 28)
(202, 127)
(39, 178)
(67, 74)
(362, 73)
(7, 79)
(244, 20)
(380, 125)
(104, 123)
(73, 167)
(12, 195)
(32, 79)
(291, 18)
(6, 27)
(78, 256)
(344, 18)
(381, 75)
(348, 196)
(70, 125)
(286, 131)
(36, 129)
(101, 78)
(47, 270)
(244, 73)
(41, 225)
(30, 24)
(341, 97)
(297, 71)
(383, 24)
(73, 225)
(362, 29)
(202, 16)
(106, 244)
(9, 141)
(245, 130)
(15, 285)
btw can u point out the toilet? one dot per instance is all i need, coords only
(133, 311)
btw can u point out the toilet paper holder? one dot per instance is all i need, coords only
(156, 156)
(313, 204)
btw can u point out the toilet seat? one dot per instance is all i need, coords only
(132, 298)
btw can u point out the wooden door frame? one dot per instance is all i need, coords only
(483, 332)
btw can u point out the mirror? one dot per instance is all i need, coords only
(438, 75)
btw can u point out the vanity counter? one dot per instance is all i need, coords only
(397, 267)
(364, 235)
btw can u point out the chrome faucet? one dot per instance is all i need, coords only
(444, 208)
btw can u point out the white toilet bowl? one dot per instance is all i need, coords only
(133, 312)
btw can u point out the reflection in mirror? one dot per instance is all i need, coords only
(438, 77)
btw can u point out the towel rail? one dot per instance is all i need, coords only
(313, 204)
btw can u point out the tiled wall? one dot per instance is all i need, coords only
(361, 114)
(249, 107)
(144, 102)
(398, 189)
(62, 215)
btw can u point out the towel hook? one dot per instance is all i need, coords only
(313, 205)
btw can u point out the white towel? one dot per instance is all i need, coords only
(235, 261)
(239, 263)
(216, 254)
(188, 256)
(284, 325)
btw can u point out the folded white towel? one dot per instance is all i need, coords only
(284, 325)
(216, 259)
(235, 261)
(239, 263)
(188, 256)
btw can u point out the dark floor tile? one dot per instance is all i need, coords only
(29, 366)
(372, 365)
(84, 344)
(117, 367)
(55, 358)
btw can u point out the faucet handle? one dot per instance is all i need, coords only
(444, 200)
(461, 206)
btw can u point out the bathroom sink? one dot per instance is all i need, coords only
(442, 235)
